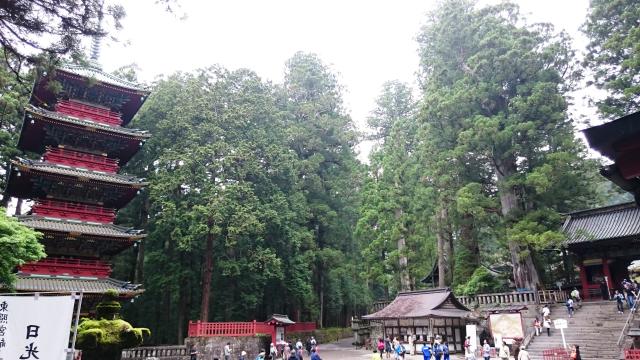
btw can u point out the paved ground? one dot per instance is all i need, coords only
(343, 350)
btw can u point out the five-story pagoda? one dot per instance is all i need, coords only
(76, 186)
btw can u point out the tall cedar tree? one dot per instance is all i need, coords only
(495, 95)
(613, 54)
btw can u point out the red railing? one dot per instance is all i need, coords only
(210, 329)
(66, 210)
(80, 159)
(71, 267)
(556, 354)
(632, 354)
(301, 327)
(85, 111)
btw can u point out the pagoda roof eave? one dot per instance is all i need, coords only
(49, 224)
(88, 285)
(40, 112)
(46, 167)
(102, 77)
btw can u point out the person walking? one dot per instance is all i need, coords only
(437, 350)
(314, 355)
(575, 294)
(619, 298)
(570, 308)
(227, 351)
(524, 354)
(243, 355)
(486, 350)
(273, 352)
(445, 351)
(314, 343)
(387, 346)
(426, 352)
(547, 325)
(380, 346)
(545, 311)
(537, 326)
(400, 351)
(504, 352)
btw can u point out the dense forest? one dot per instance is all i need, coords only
(259, 205)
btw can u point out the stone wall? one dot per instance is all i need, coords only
(210, 348)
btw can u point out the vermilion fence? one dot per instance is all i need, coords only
(208, 329)
(632, 354)
(556, 354)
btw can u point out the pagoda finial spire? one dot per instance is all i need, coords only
(96, 42)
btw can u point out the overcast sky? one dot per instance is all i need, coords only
(365, 42)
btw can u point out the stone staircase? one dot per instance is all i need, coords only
(595, 328)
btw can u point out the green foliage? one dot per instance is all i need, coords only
(18, 245)
(613, 54)
(480, 282)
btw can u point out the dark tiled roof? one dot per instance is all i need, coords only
(40, 112)
(80, 227)
(50, 283)
(101, 76)
(422, 304)
(77, 172)
(603, 137)
(610, 222)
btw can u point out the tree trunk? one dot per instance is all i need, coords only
(525, 274)
(321, 298)
(207, 273)
(445, 248)
(18, 207)
(405, 280)
(468, 256)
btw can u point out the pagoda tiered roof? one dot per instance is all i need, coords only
(80, 228)
(89, 285)
(77, 172)
(92, 85)
(44, 128)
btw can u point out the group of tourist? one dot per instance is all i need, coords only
(396, 349)
(286, 351)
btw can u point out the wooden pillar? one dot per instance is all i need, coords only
(607, 273)
(584, 282)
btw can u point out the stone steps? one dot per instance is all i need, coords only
(595, 328)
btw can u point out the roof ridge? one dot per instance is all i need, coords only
(603, 209)
(39, 164)
(425, 291)
(116, 80)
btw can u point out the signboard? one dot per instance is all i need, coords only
(35, 328)
(560, 323)
(506, 325)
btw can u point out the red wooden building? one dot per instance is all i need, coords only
(76, 186)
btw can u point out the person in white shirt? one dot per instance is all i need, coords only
(227, 351)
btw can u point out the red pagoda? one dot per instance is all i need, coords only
(76, 186)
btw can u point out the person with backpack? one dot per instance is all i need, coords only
(537, 326)
(546, 323)
(387, 346)
(570, 308)
(400, 351)
(380, 346)
(437, 350)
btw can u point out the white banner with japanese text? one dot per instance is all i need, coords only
(35, 328)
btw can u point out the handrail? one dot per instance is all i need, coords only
(632, 313)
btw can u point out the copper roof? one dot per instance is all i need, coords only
(280, 319)
(609, 222)
(79, 227)
(40, 112)
(25, 164)
(51, 283)
(101, 76)
(422, 304)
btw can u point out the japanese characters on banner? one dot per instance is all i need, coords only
(35, 328)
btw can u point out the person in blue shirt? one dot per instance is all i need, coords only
(426, 352)
(445, 350)
(314, 355)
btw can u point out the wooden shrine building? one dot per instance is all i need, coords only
(619, 140)
(75, 185)
(419, 316)
(604, 241)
